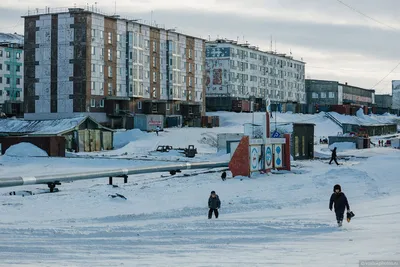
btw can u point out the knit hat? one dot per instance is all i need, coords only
(212, 192)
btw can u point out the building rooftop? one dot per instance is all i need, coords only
(252, 47)
(11, 38)
(345, 84)
(42, 127)
(94, 10)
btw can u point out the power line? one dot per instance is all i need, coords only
(377, 21)
(386, 76)
(365, 15)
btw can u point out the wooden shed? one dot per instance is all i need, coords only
(82, 134)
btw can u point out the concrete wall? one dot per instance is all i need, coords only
(222, 138)
(383, 101)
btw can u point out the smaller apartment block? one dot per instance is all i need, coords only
(11, 79)
(243, 72)
(80, 61)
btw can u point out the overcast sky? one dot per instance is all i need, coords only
(337, 43)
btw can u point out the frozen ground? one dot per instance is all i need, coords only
(267, 220)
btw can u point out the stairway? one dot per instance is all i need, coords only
(329, 116)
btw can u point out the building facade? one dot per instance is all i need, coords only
(327, 93)
(81, 62)
(11, 79)
(396, 94)
(240, 71)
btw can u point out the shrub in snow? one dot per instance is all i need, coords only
(25, 150)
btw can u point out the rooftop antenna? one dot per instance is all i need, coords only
(151, 18)
(271, 44)
(115, 7)
(275, 46)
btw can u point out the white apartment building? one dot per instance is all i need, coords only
(241, 71)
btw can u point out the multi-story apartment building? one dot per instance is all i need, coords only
(240, 71)
(11, 78)
(81, 61)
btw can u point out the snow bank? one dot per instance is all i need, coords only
(121, 139)
(360, 113)
(343, 146)
(25, 150)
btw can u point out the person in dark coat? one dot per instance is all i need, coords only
(213, 204)
(340, 200)
(334, 156)
(223, 176)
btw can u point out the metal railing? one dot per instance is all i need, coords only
(52, 179)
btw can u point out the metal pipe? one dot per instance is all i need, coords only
(51, 178)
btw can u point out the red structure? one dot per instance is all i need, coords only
(240, 162)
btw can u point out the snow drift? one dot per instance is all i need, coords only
(25, 150)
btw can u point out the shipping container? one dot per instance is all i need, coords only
(148, 122)
(241, 105)
(173, 121)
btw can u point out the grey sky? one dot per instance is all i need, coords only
(336, 42)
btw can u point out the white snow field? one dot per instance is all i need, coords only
(279, 219)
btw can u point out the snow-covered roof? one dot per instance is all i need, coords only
(41, 127)
(366, 120)
(11, 38)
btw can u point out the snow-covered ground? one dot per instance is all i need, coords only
(266, 220)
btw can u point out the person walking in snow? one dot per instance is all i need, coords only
(213, 204)
(157, 130)
(334, 156)
(340, 200)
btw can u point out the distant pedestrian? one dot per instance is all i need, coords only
(213, 204)
(334, 156)
(157, 130)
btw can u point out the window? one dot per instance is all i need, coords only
(190, 53)
(18, 68)
(1, 53)
(102, 103)
(109, 55)
(110, 37)
(93, 103)
(154, 92)
(93, 86)
(109, 71)
(93, 50)
(118, 37)
(154, 46)
(18, 55)
(93, 33)
(314, 95)
(18, 81)
(154, 77)
(190, 81)
(139, 106)
(190, 67)
(18, 94)
(101, 68)
(101, 35)
(1, 79)
(93, 68)
(154, 62)
(130, 55)
(130, 88)
(1, 66)
(168, 106)
(118, 54)
(8, 67)
(8, 54)
(102, 52)
(109, 88)
(7, 80)
(119, 87)
(178, 106)
(8, 93)
(101, 87)
(323, 95)
(331, 95)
